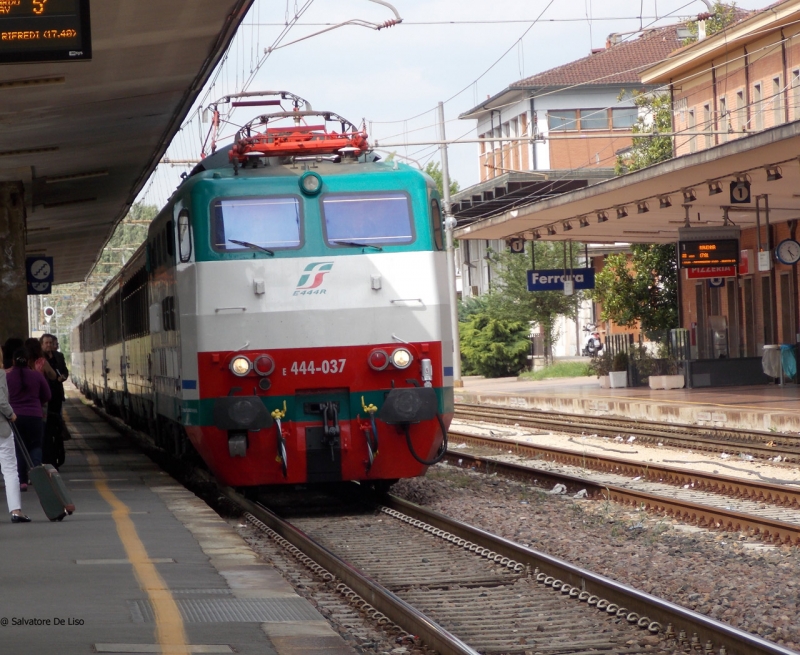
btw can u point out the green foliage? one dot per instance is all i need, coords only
(620, 362)
(724, 15)
(471, 307)
(644, 288)
(655, 116)
(70, 299)
(559, 370)
(435, 171)
(510, 298)
(600, 365)
(494, 347)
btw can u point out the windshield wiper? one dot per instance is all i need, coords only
(356, 244)
(247, 244)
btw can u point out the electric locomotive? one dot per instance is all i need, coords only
(288, 314)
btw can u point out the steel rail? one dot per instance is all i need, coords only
(764, 445)
(396, 609)
(770, 530)
(774, 494)
(708, 631)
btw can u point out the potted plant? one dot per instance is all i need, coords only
(618, 376)
(670, 378)
(600, 365)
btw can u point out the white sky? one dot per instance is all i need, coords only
(391, 76)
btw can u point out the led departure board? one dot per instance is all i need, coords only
(44, 30)
(709, 252)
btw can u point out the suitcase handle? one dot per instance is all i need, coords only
(18, 438)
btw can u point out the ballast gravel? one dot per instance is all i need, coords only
(726, 576)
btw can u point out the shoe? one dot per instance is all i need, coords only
(23, 486)
(20, 518)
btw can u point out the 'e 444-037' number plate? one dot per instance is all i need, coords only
(325, 366)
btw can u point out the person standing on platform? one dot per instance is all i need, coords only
(36, 359)
(53, 446)
(9, 348)
(8, 458)
(27, 392)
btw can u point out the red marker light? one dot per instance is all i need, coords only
(378, 360)
(264, 364)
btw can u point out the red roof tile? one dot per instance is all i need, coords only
(619, 64)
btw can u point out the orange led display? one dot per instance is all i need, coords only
(44, 30)
(696, 254)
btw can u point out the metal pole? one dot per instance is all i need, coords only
(449, 226)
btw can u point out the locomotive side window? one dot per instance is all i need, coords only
(184, 236)
(368, 218)
(256, 223)
(436, 224)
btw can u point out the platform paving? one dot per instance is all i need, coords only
(761, 407)
(143, 566)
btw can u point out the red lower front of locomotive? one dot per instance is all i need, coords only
(307, 426)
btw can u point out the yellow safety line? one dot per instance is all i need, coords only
(170, 633)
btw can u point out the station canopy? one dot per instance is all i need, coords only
(650, 205)
(84, 136)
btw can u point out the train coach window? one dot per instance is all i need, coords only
(251, 224)
(436, 224)
(368, 218)
(170, 234)
(184, 236)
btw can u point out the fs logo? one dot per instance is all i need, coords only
(312, 278)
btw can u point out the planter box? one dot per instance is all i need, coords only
(667, 381)
(618, 379)
(604, 382)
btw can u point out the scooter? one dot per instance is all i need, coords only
(592, 345)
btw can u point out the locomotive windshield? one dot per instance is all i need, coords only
(261, 222)
(368, 218)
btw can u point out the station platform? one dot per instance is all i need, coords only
(760, 408)
(142, 566)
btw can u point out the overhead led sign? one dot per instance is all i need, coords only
(720, 252)
(44, 30)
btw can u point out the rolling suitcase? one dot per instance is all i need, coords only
(53, 493)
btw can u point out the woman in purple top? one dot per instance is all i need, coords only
(27, 392)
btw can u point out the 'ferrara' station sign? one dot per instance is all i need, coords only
(583, 278)
(44, 30)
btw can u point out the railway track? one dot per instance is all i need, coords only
(462, 590)
(769, 511)
(763, 445)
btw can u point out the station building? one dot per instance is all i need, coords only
(735, 100)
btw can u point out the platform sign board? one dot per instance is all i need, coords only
(38, 268)
(517, 245)
(710, 246)
(39, 288)
(553, 280)
(740, 192)
(44, 30)
(710, 272)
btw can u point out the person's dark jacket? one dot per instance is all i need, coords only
(59, 365)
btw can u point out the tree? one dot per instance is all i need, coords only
(643, 288)
(510, 299)
(494, 347)
(724, 15)
(655, 116)
(435, 171)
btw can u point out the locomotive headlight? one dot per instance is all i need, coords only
(264, 365)
(401, 358)
(241, 366)
(310, 183)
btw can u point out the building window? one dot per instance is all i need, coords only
(758, 116)
(796, 94)
(624, 118)
(741, 118)
(562, 120)
(690, 128)
(708, 125)
(594, 119)
(724, 119)
(777, 101)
